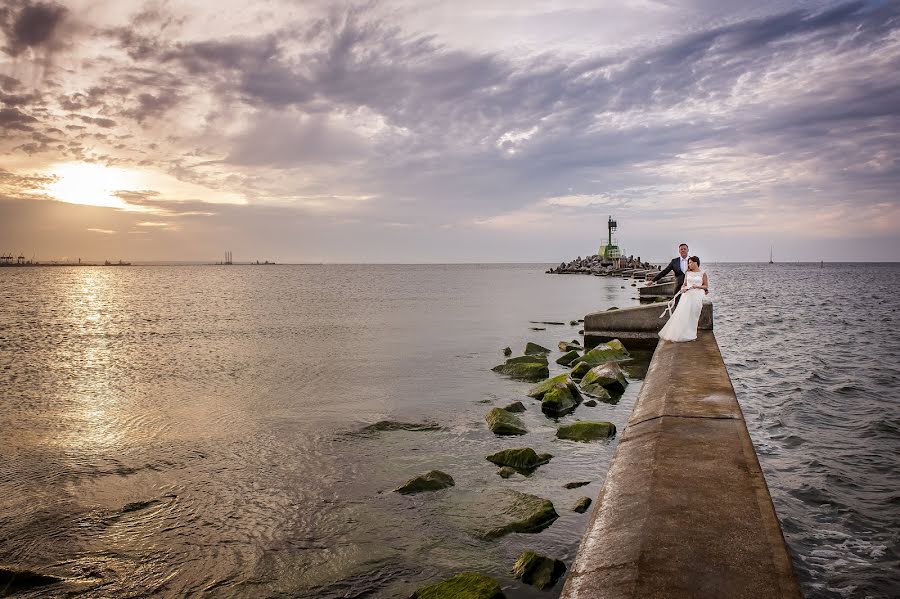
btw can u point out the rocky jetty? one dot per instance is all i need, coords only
(597, 265)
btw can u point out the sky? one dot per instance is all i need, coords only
(426, 131)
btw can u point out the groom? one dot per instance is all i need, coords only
(678, 266)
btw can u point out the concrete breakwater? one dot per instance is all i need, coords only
(684, 510)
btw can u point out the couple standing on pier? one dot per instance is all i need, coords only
(692, 284)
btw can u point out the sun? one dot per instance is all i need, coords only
(90, 184)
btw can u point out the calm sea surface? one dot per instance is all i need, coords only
(180, 430)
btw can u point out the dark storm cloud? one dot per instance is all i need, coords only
(31, 25)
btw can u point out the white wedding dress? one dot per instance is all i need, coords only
(682, 325)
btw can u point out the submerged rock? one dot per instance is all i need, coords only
(14, 580)
(520, 458)
(577, 484)
(569, 345)
(538, 570)
(591, 402)
(586, 430)
(534, 348)
(393, 425)
(502, 422)
(568, 357)
(609, 376)
(541, 388)
(559, 400)
(507, 351)
(432, 481)
(525, 513)
(466, 585)
(507, 471)
(582, 505)
(516, 407)
(527, 368)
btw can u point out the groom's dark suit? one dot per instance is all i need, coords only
(675, 268)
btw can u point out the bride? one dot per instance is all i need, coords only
(682, 325)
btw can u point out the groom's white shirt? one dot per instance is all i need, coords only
(683, 264)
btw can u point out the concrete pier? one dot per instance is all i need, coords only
(684, 510)
(636, 327)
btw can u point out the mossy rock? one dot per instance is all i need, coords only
(528, 513)
(520, 458)
(532, 359)
(582, 505)
(507, 471)
(608, 376)
(507, 351)
(502, 422)
(541, 388)
(433, 481)
(529, 372)
(569, 346)
(568, 357)
(586, 430)
(14, 580)
(393, 425)
(538, 570)
(534, 348)
(466, 585)
(605, 352)
(579, 370)
(515, 407)
(559, 400)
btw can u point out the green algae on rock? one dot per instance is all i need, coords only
(534, 348)
(609, 376)
(528, 513)
(503, 422)
(568, 357)
(432, 481)
(579, 370)
(538, 570)
(605, 352)
(582, 505)
(586, 430)
(541, 388)
(559, 400)
(520, 458)
(516, 406)
(466, 585)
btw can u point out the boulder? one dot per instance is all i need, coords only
(523, 513)
(502, 422)
(579, 370)
(515, 407)
(569, 345)
(538, 570)
(507, 351)
(582, 505)
(609, 376)
(586, 430)
(605, 352)
(521, 458)
(526, 368)
(534, 348)
(507, 471)
(591, 402)
(393, 425)
(466, 585)
(433, 481)
(559, 400)
(568, 357)
(15, 580)
(541, 388)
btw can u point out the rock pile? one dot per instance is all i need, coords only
(595, 265)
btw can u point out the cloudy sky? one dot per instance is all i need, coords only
(428, 131)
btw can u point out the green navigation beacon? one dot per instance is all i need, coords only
(610, 251)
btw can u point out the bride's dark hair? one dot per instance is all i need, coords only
(694, 259)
